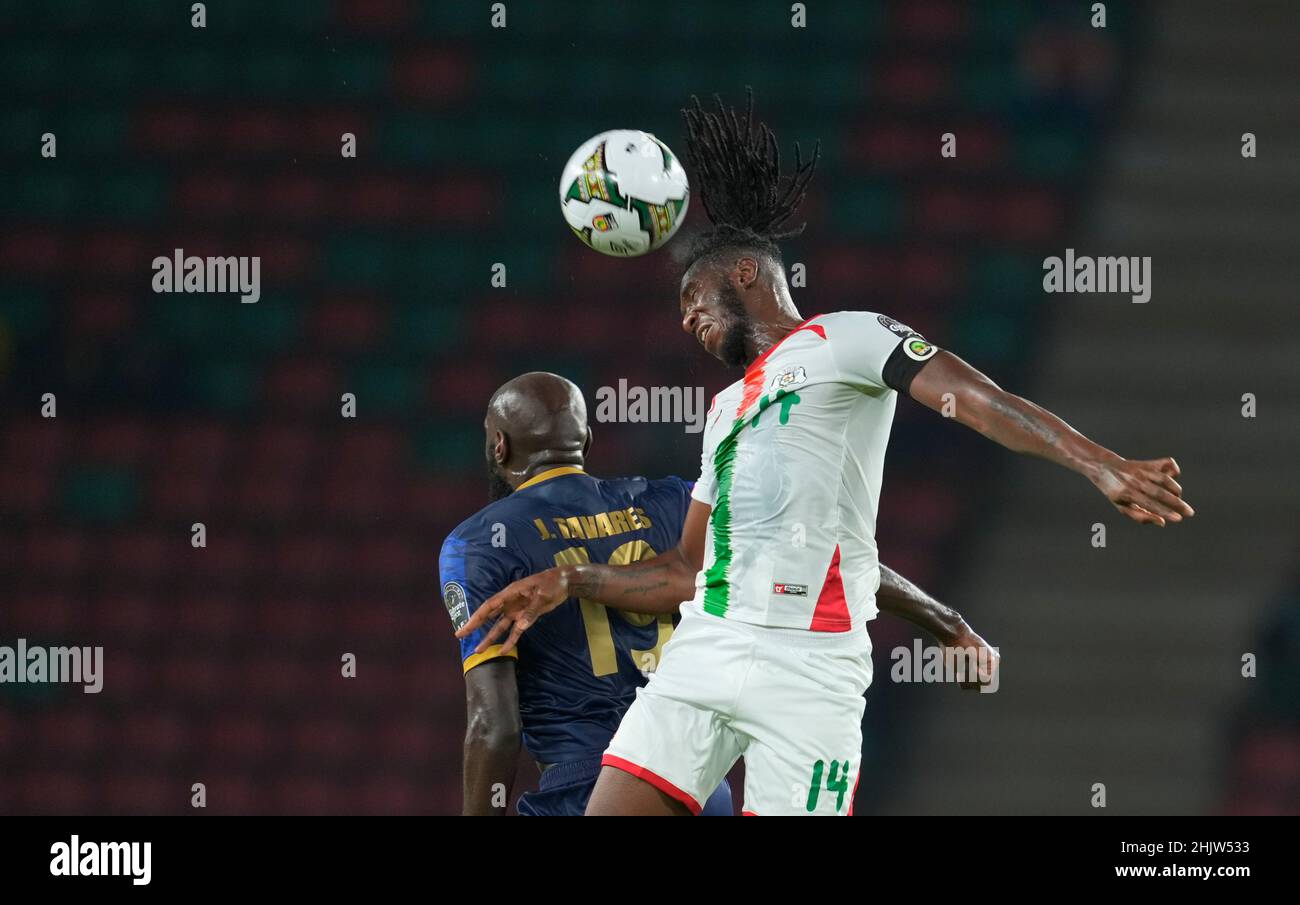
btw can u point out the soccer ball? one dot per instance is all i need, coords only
(624, 193)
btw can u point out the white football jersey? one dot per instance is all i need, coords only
(793, 455)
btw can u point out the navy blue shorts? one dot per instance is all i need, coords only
(565, 788)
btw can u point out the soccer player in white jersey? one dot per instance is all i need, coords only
(777, 561)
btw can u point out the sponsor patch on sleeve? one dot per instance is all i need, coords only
(918, 349)
(894, 326)
(453, 597)
(906, 361)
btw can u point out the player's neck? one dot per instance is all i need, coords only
(769, 333)
(534, 469)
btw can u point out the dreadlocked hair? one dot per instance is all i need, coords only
(741, 186)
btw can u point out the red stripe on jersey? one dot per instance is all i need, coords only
(753, 389)
(832, 612)
(754, 376)
(757, 363)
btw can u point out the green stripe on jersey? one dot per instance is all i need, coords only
(717, 589)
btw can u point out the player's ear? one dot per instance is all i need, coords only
(746, 271)
(501, 448)
(586, 447)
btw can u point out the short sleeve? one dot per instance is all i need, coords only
(876, 351)
(676, 498)
(470, 573)
(706, 488)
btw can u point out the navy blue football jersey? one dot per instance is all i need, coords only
(580, 665)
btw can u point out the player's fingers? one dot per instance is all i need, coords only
(1155, 507)
(523, 622)
(515, 631)
(1141, 494)
(1140, 515)
(1165, 502)
(1166, 481)
(499, 604)
(1168, 466)
(1180, 505)
(485, 612)
(995, 663)
(496, 631)
(1176, 505)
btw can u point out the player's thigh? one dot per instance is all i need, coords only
(620, 794)
(676, 747)
(805, 735)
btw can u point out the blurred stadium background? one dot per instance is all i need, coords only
(1121, 665)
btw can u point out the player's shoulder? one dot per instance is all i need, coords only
(478, 529)
(728, 394)
(637, 488)
(663, 500)
(857, 321)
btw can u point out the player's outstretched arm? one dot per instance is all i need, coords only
(900, 597)
(657, 585)
(492, 737)
(903, 599)
(1145, 491)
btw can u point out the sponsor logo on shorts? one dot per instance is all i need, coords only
(793, 590)
(453, 596)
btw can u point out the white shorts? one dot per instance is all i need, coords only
(789, 701)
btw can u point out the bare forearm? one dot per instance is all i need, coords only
(488, 768)
(952, 387)
(902, 598)
(493, 729)
(1024, 427)
(1145, 491)
(656, 585)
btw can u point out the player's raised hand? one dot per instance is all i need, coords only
(982, 659)
(516, 607)
(1145, 491)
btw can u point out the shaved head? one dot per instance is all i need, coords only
(534, 421)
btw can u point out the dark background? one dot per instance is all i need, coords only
(1122, 665)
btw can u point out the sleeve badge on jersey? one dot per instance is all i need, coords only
(453, 597)
(788, 377)
(894, 326)
(918, 349)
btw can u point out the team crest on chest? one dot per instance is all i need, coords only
(788, 377)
